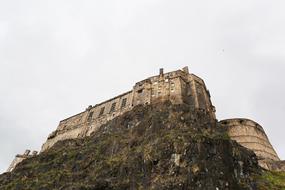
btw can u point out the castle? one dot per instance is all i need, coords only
(178, 87)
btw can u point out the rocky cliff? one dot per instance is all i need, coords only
(161, 146)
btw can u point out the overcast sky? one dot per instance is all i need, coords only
(57, 57)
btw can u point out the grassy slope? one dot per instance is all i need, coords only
(271, 180)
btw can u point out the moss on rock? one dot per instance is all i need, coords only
(160, 146)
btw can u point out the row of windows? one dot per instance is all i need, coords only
(166, 80)
(155, 79)
(158, 93)
(112, 109)
(172, 87)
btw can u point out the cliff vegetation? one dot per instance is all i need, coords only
(156, 147)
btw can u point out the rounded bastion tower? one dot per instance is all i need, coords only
(251, 135)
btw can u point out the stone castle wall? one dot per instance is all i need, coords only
(19, 158)
(177, 86)
(252, 136)
(84, 123)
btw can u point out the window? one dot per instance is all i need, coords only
(140, 91)
(113, 107)
(102, 111)
(172, 87)
(90, 116)
(124, 103)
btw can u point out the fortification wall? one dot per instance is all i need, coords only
(177, 86)
(84, 123)
(19, 158)
(252, 136)
(15, 162)
(200, 95)
(159, 88)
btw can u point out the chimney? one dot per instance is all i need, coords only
(185, 69)
(27, 152)
(161, 71)
(34, 153)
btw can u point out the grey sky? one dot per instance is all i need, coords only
(57, 57)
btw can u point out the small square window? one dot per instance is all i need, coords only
(124, 103)
(102, 111)
(113, 107)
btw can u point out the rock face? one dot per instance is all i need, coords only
(160, 146)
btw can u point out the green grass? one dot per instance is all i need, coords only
(272, 181)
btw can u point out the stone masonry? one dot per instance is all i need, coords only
(178, 87)
(252, 136)
(19, 158)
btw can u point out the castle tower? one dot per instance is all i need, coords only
(178, 86)
(251, 135)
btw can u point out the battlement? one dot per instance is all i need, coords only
(177, 86)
